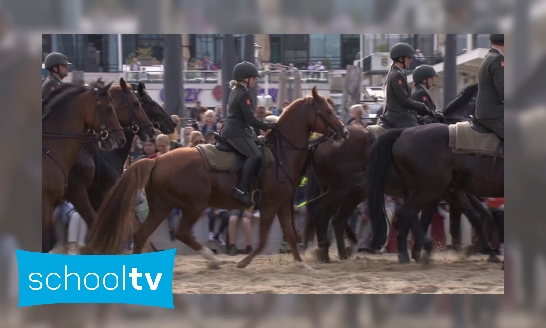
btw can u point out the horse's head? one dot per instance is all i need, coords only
(463, 105)
(130, 112)
(101, 117)
(160, 119)
(322, 118)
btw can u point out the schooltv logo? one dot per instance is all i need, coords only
(141, 279)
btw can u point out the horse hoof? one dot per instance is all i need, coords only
(493, 259)
(242, 263)
(214, 265)
(349, 251)
(469, 251)
(321, 255)
(403, 259)
(425, 259)
(416, 256)
(303, 265)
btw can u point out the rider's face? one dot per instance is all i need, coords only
(251, 82)
(407, 61)
(63, 71)
(430, 81)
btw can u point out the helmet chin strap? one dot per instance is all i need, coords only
(402, 61)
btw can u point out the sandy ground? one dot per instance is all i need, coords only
(366, 274)
(361, 274)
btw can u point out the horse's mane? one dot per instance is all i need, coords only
(462, 98)
(60, 98)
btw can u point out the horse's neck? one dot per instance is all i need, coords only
(292, 130)
(64, 150)
(117, 157)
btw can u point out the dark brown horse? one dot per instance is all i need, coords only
(340, 172)
(178, 179)
(109, 165)
(82, 175)
(70, 111)
(421, 159)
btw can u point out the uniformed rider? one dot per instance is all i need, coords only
(400, 108)
(490, 99)
(57, 65)
(237, 129)
(423, 79)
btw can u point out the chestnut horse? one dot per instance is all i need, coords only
(82, 175)
(178, 179)
(70, 111)
(428, 170)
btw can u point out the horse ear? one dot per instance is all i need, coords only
(105, 89)
(141, 88)
(122, 84)
(315, 93)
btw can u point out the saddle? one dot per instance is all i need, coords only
(222, 157)
(474, 138)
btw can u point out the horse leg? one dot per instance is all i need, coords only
(402, 231)
(321, 209)
(267, 215)
(158, 211)
(48, 227)
(77, 195)
(341, 223)
(462, 200)
(183, 233)
(426, 218)
(284, 214)
(409, 217)
(485, 216)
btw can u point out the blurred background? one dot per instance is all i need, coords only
(22, 27)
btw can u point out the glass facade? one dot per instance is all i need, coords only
(326, 48)
(99, 52)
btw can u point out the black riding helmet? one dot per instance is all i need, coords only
(496, 38)
(245, 70)
(422, 72)
(401, 50)
(54, 59)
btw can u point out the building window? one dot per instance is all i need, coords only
(46, 45)
(350, 46)
(276, 48)
(204, 46)
(325, 48)
(296, 50)
(128, 46)
(154, 41)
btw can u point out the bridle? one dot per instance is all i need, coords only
(89, 137)
(280, 145)
(155, 123)
(136, 124)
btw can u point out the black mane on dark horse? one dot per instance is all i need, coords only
(463, 105)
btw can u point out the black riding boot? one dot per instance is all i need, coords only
(242, 191)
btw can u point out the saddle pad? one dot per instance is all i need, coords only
(465, 140)
(222, 161)
(376, 131)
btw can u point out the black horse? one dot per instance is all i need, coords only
(420, 158)
(342, 183)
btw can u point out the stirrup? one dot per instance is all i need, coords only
(243, 196)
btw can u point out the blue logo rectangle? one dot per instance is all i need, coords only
(141, 279)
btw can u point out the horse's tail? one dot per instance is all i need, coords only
(377, 175)
(115, 218)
